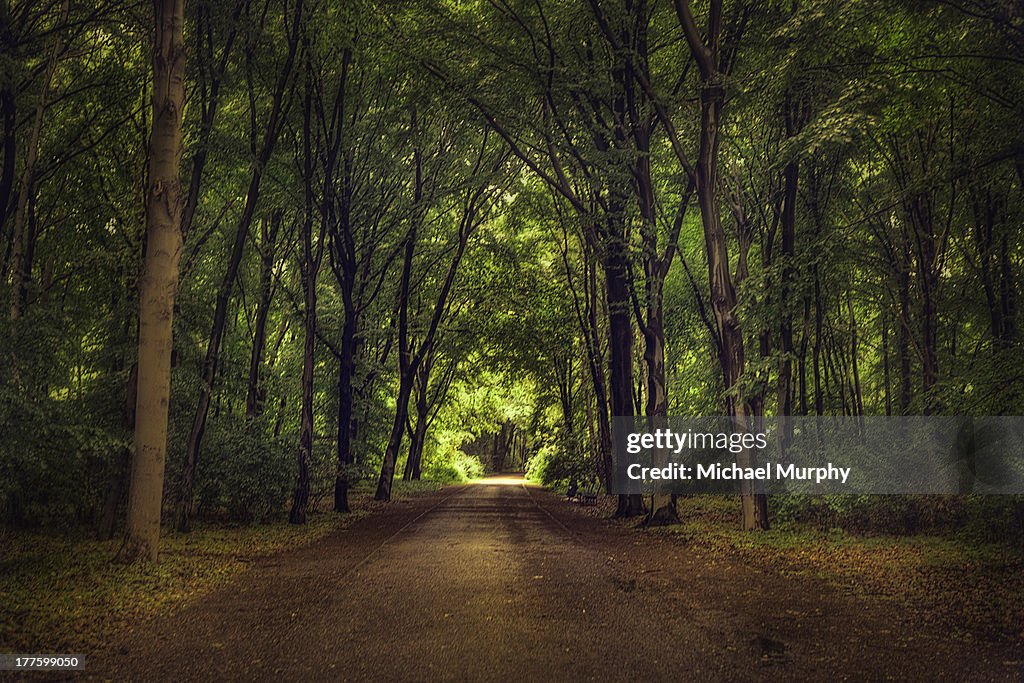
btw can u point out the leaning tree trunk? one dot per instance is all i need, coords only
(269, 141)
(706, 54)
(387, 471)
(158, 284)
(414, 462)
(254, 393)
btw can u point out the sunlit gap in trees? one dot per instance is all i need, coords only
(501, 480)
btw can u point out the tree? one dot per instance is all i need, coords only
(158, 284)
(280, 101)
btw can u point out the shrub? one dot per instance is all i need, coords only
(453, 466)
(244, 471)
(556, 464)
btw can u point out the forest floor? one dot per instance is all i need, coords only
(61, 591)
(497, 580)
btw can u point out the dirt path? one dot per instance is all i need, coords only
(497, 581)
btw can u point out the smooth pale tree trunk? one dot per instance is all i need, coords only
(158, 285)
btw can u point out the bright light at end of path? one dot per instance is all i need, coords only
(501, 480)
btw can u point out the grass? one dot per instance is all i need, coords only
(61, 591)
(973, 588)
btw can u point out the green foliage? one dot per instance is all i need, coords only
(560, 463)
(450, 464)
(245, 472)
(902, 123)
(984, 519)
(457, 467)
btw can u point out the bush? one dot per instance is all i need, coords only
(453, 466)
(557, 464)
(244, 471)
(985, 518)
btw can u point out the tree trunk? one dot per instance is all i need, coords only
(387, 470)
(414, 461)
(195, 437)
(310, 268)
(903, 339)
(705, 52)
(300, 498)
(346, 376)
(254, 395)
(23, 238)
(408, 360)
(158, 285)
(9, 113)
(620, 343)
(597, 377)
(784, 409)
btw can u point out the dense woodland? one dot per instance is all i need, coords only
(257, 253)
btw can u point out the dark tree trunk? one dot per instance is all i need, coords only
(620, 332)
(310, 268)
(300, 498)
(903, 340)
(414, 462)
(117, 487)
(255, 395)
(409, 360)
(597, 376)
(183, 513)
(8, 112)
(346, 376)
(791, 176)
(273, 128)
(705, 52)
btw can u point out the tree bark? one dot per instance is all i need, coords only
(158, 285)
(414, 461)
(620, 343)
(254, 395)
(705, 51)
(9, 113)
(300, 498)
(346, 405)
